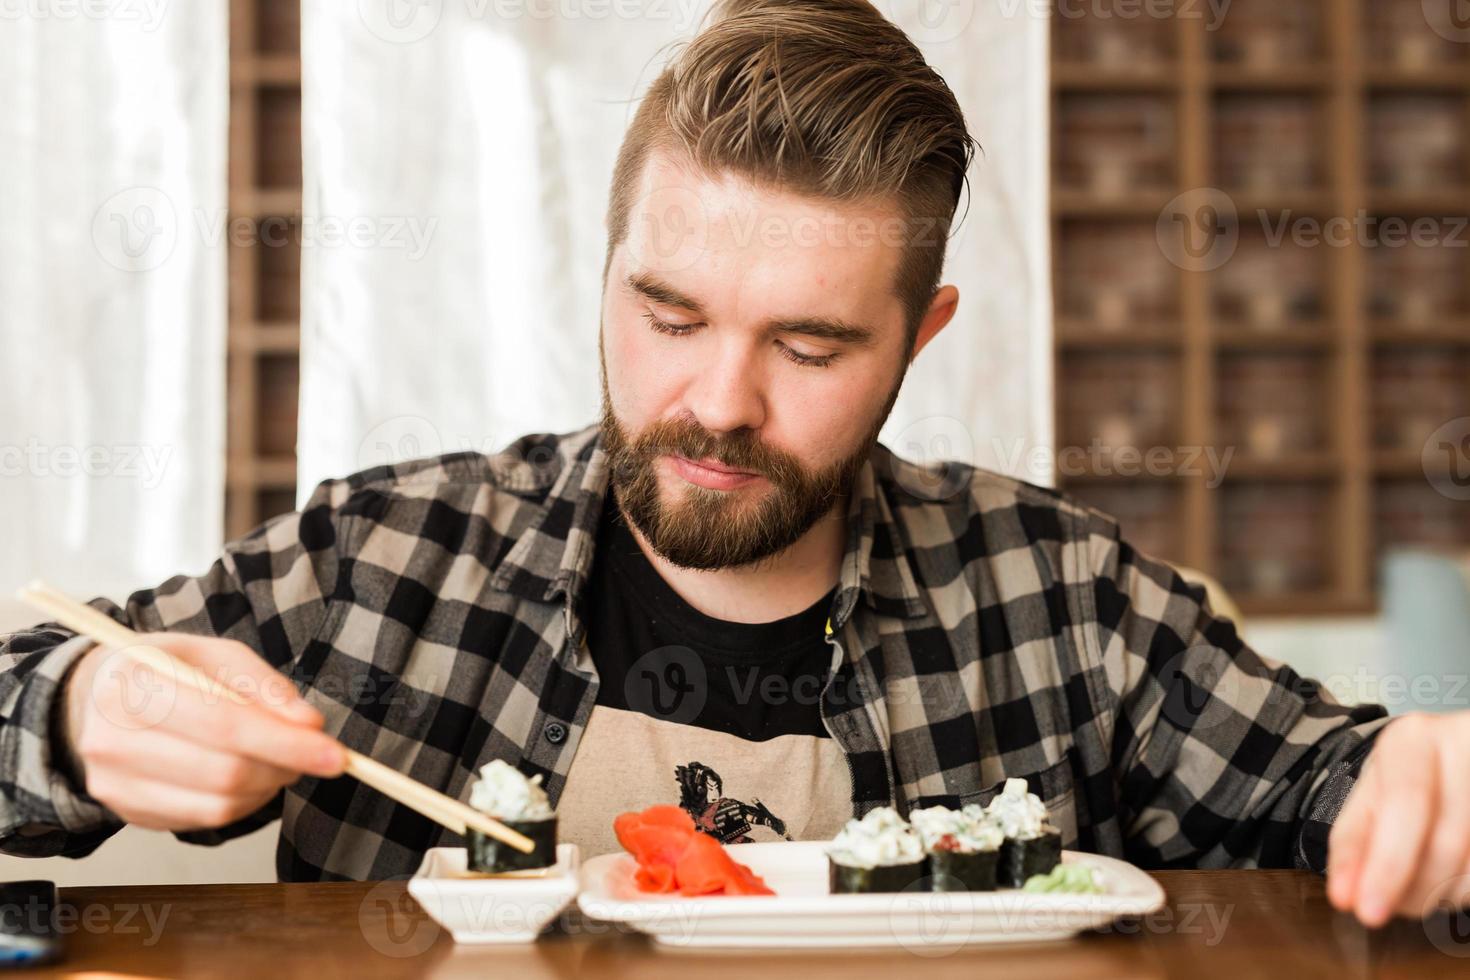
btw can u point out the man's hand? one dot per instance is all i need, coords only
(162, 755)
(1401, 845)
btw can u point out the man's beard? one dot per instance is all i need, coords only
(712, 529)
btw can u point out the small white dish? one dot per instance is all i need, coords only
(479, 908)
(803, 914)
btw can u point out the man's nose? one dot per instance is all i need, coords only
(728, 393)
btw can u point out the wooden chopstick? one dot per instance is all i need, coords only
(442, 809)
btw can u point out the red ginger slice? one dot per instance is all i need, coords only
(672, 855)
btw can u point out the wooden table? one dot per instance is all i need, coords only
(1236, 924)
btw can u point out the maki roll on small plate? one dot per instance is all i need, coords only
(878, 853)
(521, 804)
(963, 847)
(1031, 846)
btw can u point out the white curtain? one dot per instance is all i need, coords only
(112, 303)
(471, 144)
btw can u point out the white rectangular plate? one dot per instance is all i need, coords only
(803, 914)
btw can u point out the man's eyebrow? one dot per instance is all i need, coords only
(820, 327)
(825, 328)
(661, 292)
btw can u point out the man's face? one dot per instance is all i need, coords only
(752, 345)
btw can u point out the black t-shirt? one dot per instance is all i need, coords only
(641, 632)
(691, 708)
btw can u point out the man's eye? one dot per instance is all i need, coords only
(805, 360)
(664, 326)
(790, 353)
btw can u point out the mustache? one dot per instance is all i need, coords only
(741, 450)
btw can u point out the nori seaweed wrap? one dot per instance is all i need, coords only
(963, 871)
(1022, 857)
(490, 855)
(843, 879)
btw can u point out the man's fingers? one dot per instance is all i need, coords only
(258, 733)
(166, 806)
(135, 702)
(1441, 874)
(241, 669)
(1347, 844)
(163, 757)
(1399, 837)
(1440, 877)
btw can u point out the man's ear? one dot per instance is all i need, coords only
(941, 308)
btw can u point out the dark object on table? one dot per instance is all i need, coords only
(28, 933)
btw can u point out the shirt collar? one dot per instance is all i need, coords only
(553, 556)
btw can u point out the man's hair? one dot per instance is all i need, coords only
(823, 98)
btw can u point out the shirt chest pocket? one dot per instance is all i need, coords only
(1055, 787)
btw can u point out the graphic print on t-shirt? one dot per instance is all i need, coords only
(726, 819)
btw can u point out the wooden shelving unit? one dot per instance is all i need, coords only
(265, 265)
(1321, 366)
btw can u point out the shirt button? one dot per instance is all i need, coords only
(556, 733)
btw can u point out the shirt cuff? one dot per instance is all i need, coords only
(39, 788)
(1327, 803)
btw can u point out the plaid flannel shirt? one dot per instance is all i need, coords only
(982, 627)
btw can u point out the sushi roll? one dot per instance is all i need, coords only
(1031, 846)
(963, 847)
(878, 853)
(519, 803)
